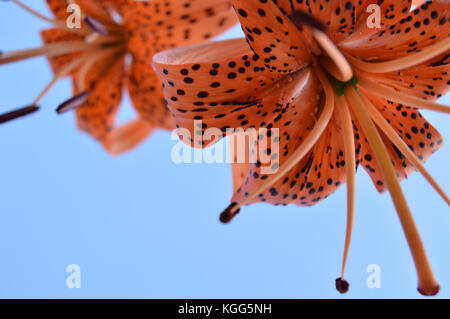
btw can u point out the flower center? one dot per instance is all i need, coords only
(98, 41)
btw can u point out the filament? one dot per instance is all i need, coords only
(392, 95)
(88, 64)
(69, 67)
(427, 282)
(404, 62)
(55, 22)
(350, 165)
(402, 146)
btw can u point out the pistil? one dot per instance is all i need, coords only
(427, 282)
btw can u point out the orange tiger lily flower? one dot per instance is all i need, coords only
(95, 56)
(340, 93)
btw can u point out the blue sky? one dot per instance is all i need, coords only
(140, 226)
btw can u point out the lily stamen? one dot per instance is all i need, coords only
(55, 22)
(405, 62)
(350, 166)
(62, 73)
(48, 50)
(394, 96)
(15, 114)
(98, 55)
(309, 141)
(387, 129)
(427, 282)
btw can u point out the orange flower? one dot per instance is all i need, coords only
(341, 94)
(94, 55)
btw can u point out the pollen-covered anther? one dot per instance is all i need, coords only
(342, 285)
(229, 213)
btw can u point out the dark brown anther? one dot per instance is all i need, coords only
(6, 117)
(73, 103)
(300, 18)
(228, 214)
(95, 25)
(342, 285)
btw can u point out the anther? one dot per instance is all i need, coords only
(300, 18)
(342, 285)
(95, 25)
(73, 103)
(228, 214)
(6, 117)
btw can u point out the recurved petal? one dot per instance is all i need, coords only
(144, 87)
(429, 80)
(58, 8)
(273, 36)
(57, 35)
(239, 169)
(97, 116)
(97, 9)
(315, 176)
(421, 137)
(219, 83)
(161, 25)
(416, 30)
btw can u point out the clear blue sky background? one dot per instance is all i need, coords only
(140, 226)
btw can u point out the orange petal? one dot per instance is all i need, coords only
(96, 9)
(273, 36)
(59, 9)
(418, 29)
(422, 138)
(126, 137)
(161, 25)
(219, 83)
(318, 174)
(391, 11)
(239, 170)
(97, 115)
(144, 87)
(429, 80)
(57, 35)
